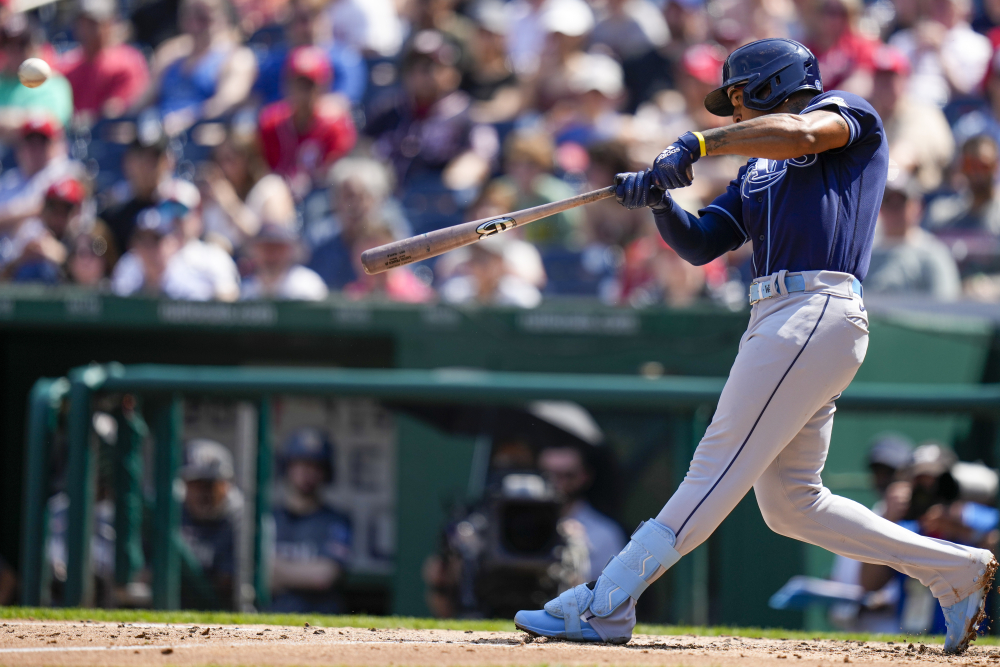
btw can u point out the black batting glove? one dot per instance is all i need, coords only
(636, 189)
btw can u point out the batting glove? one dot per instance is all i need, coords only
(636, 189)
(672, 168)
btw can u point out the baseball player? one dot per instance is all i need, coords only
(808, 202)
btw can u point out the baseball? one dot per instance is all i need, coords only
(33, 72)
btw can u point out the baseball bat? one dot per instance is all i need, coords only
(432, 244)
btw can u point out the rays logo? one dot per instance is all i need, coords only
(495, 226)
(765, 173)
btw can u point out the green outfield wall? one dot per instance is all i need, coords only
(46, 333)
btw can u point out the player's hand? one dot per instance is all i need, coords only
(635, 189)
(672, 168)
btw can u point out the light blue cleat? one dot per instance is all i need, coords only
(963, 618)
(541, 624)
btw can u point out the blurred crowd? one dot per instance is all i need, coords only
(252, 149)
(927, 490)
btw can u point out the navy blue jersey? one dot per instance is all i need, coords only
(302, 538)
(816, 212)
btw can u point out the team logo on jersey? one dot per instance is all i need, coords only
(764, 173)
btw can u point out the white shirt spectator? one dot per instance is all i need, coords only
(961, 62)
(201, 272)
(526, 37)
(298, 284)
(511, 291)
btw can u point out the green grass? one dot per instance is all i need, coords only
(227, 618)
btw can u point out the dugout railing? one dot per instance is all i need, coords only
(157, 393)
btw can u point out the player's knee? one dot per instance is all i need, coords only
(776, 509)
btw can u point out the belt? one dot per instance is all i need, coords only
(766, 289)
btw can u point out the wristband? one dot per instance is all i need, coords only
(701, 142)
(694, 142)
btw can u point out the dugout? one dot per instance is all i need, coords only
(48, 333)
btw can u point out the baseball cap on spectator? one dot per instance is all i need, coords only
(159, 220)
(704, 62)
(891, 450)
(41, 124)
(99, 10)
(572, 18)
(904, 183)
(890, 59)
(309, 62)
(206, 460)
(932, 459)
(68, 190)
(596, 71)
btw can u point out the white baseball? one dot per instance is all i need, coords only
(33, 72)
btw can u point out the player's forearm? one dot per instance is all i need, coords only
(780, 136)
(698, 240)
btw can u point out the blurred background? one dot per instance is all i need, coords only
(197, 182)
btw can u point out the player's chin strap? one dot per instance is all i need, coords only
(648, 554)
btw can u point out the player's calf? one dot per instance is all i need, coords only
(604, 610)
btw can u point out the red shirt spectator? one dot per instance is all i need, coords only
(307, 131)
(106, 78)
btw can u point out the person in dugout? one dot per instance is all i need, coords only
(312, 541)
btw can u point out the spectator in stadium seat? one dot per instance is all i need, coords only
(202, 73)
(630, 28)
(986, 119)
(22, 40)
(976, 207)
(210, 519)
(526, 38)
(91, 259)
(42, 245)
(276, 272)
(905, 258)
(948, 58)
(567, 25)
(590, 113)
(426, 130)
(168, 258)
(528, 164)
(489, 79)
(844, 54)
(41, 161)
(308, 131)
(312, 540)
(308, 24)
(920, 140)
(371, 27)
(107, 76)
(486, 278)
(653, 273)
(240, 193)
(359, 190)
(148, 165)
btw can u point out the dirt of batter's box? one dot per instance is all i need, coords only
(32, 643)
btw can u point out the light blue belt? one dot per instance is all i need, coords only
(765, 289)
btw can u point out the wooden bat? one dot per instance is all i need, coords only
(432, 244)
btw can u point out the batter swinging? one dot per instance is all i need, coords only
(808, 202)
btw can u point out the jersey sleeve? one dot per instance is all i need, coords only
(862, 121)
(729, 205)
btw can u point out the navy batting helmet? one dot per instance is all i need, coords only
(309, 444)
(772, 69)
